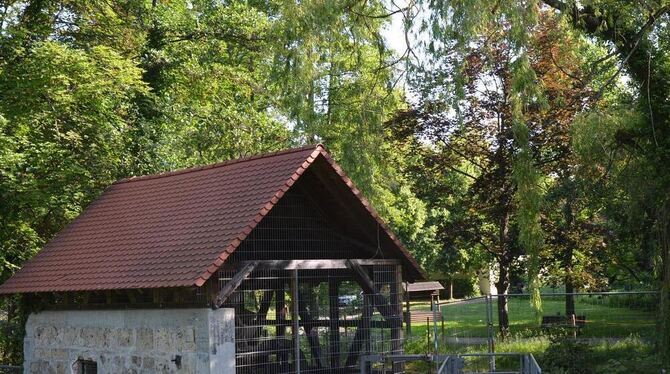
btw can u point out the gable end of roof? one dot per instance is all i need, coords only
(319, 150)
(216, 264)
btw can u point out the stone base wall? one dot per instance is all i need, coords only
(131, 341)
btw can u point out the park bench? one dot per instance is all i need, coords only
(566, 322)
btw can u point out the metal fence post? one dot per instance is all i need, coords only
(443, 334)
(489, 323)
(428, 330)
(363, 364)
(434, 307)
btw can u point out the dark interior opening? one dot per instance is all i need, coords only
(87, 367)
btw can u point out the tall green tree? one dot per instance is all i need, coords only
(637, 35)
(66, 133)
(92, 91)
(335, 82)
(506, 148)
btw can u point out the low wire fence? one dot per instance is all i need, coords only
(574, 333)
(588, 317)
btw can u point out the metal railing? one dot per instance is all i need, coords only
(454, 364)
(529, 365)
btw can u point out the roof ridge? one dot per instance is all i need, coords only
(218, 164)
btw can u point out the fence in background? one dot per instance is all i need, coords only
(598, 317)
(595, 325)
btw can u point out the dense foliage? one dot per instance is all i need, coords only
(94, 91)
(535, 140)
(601, 218)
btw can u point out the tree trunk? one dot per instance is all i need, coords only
(569, 299)
(155, 42)
(568, 262)
(502, 285)
(504, 262)
(664, 243)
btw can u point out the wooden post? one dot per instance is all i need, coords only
(361, 340)
(334, 328)
(280, 327)
(295, 319)
(280, 312)
(311, 333)
(408, 315)
(368, 309)
(396, 322)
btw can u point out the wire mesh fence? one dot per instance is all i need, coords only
(574, 333)
(313, 321)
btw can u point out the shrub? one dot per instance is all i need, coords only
(566, 355)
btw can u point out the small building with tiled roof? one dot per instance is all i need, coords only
(255, 265)
(429, 287)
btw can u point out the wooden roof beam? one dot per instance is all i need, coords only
(232, 284)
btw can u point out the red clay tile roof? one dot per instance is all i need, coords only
(169, 230)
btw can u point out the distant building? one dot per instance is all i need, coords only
(423, 290)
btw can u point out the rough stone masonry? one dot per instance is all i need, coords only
(131, 341)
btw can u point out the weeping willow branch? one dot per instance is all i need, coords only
(527, 178)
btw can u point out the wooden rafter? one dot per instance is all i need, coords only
(320, 264)
(232, 284)
(362, 334)
(390, 311)
(368, 286)
(312, 333)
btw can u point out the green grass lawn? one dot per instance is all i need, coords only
(604, 319)
(618, 336)
(628, 355)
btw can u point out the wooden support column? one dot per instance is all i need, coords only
(408, 315)
(311, 333)
(280, 309)
(396, 323)
(280, 327)
(366, 317)
(334, 327)
(361, 342)
(295, 317)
